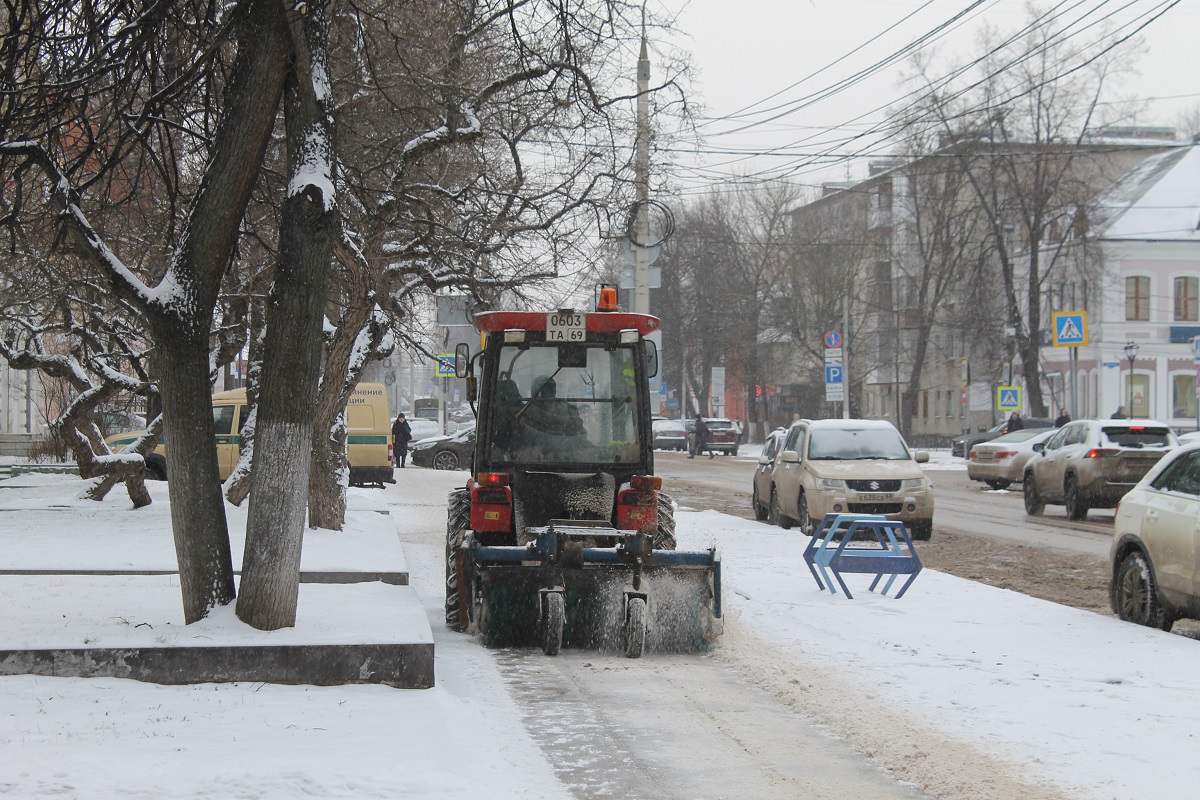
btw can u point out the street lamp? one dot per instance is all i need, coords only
(1131, 351)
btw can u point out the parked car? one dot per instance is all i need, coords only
(422, 429)
(1001, 462)
(962, 445)
(1092, 463)
(1156, 541)
(856, 466)
(1188, 438)
(670, 434)
(445, 452)
(761, 494)
(722, 435)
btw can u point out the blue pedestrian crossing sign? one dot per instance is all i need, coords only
(1070, 328)
(1008, 398)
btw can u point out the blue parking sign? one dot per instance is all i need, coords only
(833, 374)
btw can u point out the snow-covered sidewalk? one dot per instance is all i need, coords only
(943, 685)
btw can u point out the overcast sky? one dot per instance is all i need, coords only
(749, 50)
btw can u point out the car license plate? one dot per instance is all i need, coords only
(563, 326)
(874, 498)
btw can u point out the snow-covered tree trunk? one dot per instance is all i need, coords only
(292, 357)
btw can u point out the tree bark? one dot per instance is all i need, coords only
(292, 355)
(181, 330)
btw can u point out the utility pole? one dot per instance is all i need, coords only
(641, 256)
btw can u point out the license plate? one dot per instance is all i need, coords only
(564, 326)
(874, 498)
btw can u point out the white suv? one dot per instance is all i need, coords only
(1156, 539)
(855, 466)
(1092, 463)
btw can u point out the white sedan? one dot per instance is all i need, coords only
(1001, 462)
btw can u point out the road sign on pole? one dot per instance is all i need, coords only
(1070, 328)
(1008, 398)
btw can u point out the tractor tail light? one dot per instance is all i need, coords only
(637, 509)
(646, 483)
(491, 502)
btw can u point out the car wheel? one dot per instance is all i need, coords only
(1034, 504)
(774, 516)
(922, 530)
(1076, 506)
(1137, 594)
(999, 484)
(804, 523)
(761, 512)
(445, 459)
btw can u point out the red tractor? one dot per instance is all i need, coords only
(562, 536)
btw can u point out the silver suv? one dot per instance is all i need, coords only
(855, 466)
(1092, 463)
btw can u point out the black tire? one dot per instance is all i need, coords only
(458, 522)
(781, 519)
(156, 469)
(1034, 504)
(1077, 508)
(554, 619)
(635, 628)
(445, 459)
(664, 534)
(998, 484)
(1137, 594)
(921, 530)
(805, 522)
(761, 512)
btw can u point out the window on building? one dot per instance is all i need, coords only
(1140, 394)
(1137, 298)
(1187, 299)
(1183, 396)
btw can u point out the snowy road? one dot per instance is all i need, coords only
(738, 721)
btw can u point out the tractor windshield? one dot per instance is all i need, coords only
(580, 409)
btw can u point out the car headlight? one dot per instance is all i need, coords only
(831, 484)
(914, 485)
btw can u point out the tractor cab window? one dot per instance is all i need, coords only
(552, 410)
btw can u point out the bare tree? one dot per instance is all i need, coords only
(1023, 128)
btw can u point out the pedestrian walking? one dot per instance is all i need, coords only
(1119, 413)
(1062, 419)
(1014, 423)
(700, 439)
(401, 436)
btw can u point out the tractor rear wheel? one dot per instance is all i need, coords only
(458, 522)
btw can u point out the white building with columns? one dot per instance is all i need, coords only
(1143, 308)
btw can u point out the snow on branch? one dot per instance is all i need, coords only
(87, 236)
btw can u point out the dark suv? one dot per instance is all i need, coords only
(962, 445)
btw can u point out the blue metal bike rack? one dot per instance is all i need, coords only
(829, 550)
